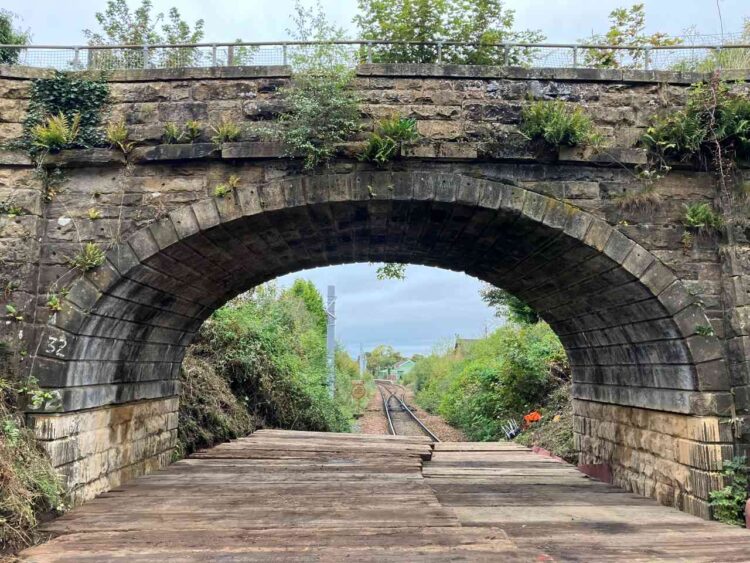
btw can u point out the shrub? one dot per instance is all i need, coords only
(321, 113)
(9, 35)
(558, 124)
(58, 132)
(728, 503)
(271, 349)
(389, 136)
(225, 132)
(502, 376)
(702, 217)
(222, 190)
(90, 257)
(172, 133)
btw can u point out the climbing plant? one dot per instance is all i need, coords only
(69, 97)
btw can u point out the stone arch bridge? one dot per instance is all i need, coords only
(660, 399)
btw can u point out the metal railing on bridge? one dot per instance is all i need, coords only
(683, 57)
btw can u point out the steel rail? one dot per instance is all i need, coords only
(381, 383)
(391, 428)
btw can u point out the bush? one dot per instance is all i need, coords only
(728, 504)
(557, 124)
(9, 35)
(271, 349)
(209, 412)
(321, 113)
(504, 375)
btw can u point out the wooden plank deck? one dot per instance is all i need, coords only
(297, 496)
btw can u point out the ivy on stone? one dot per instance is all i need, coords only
(73, 95)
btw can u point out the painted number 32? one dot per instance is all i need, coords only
(56, 345)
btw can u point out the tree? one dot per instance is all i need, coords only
(311, 24)
(391, 271)
(120, 26)
(10, 35)
(626, 29)
(507, 305)
(313, 300)
(482, 22)
(382, 357)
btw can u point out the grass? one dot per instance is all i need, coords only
(644, 201)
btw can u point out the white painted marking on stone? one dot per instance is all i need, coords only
(64, 221)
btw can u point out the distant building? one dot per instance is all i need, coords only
(397, 372)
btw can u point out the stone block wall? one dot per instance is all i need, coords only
(661, 431)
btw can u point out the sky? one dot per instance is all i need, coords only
(56, 22)
(431, 306)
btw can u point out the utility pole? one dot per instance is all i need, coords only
(362, 361)
(331, 340)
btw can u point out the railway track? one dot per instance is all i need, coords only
(401, 419)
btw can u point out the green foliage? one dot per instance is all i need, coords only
(554, 432)
(728, 503)
(12, 312)
(382, 357)
(271, 349)
(504, 375)
(508, 306)
(389, 136)
(193, 130)
(713, 115)
(391, 271)
(482, 22)
(306, 291)
(94, 214)
(120, 26)
(702, 217)
(172, 133)
(704, 330)
(225, 132)
(719, 59)
(54, 303)
(29, 485)
(626, 30)
(10, 35)
(91, 256)
(311, 24)
(78, 98)
(209, 412)
(56, 133)
(558, 124)
(321, 113)
(117, 135)
(10, 209)
(222, 190)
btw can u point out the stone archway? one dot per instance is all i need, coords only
(651, 396)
